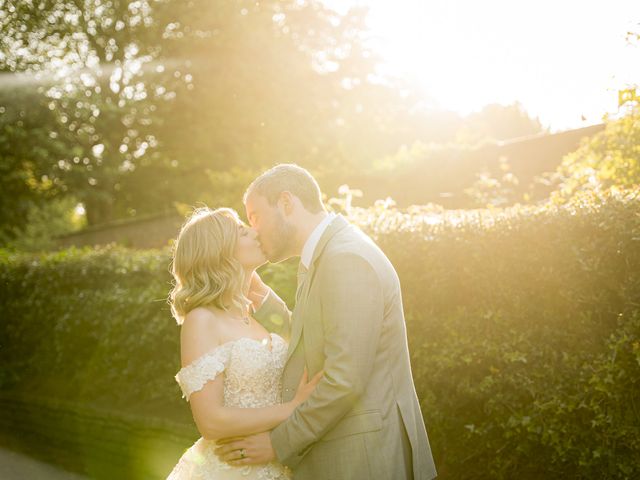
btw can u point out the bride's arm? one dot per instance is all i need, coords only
(213, 419)
(269, 309)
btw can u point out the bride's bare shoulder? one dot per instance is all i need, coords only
(202, 317)
(201, 331)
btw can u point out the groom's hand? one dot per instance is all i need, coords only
(250, 450)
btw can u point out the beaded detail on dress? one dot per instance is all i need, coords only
(252, 379)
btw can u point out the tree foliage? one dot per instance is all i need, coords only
(609, 159)
(145, 97)
(133, 106)
(499, 122)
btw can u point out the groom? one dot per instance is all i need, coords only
(363, 420)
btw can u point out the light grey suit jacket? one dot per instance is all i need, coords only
(363, 421)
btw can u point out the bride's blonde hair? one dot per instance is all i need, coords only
(204, 268)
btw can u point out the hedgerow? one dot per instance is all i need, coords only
(523, 325)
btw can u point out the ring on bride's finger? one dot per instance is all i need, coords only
(242, 455)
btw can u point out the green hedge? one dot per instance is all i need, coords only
(525, 337)
(524, 328)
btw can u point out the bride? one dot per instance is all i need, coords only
(231, 366)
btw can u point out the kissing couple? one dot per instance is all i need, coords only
(323, 392)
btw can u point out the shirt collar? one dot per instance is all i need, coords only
(311, 243)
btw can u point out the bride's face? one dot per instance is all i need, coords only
(248, 251)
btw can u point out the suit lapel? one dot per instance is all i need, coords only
(334, 227)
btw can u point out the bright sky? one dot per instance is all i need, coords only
(560, 58)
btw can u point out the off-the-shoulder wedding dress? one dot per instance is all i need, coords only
(252, 378)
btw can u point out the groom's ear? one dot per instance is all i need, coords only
(286, 201)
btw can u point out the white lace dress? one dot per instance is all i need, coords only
(252, 378)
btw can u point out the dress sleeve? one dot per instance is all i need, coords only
(194, 376)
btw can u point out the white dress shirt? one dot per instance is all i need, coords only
(311, 243)
(307, 250)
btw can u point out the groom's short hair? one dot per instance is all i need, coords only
(288, 177)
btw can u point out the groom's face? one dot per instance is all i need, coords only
(275, 233)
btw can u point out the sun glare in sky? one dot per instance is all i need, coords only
(564, 60)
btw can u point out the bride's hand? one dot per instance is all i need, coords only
(306, 387)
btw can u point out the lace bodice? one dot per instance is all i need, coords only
(252, 372)
(252, 378)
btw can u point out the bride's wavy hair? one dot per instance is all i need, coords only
(204, 268)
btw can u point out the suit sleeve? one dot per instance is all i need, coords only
(274, 315)
(352, 310)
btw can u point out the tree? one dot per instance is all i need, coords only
(135, 106)
(88, 60)
(146, 97)
(499, 122)
(610, 158)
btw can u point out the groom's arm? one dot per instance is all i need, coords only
(352, 313)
